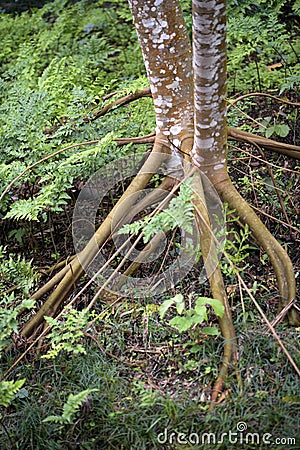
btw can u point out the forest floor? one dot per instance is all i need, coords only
(152, 379)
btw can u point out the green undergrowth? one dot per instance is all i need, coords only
(57, 63)
(152, 403)
(263, 45)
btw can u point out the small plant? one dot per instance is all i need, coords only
(261, 49)
(17, 276)
(178, 214)
(67, 332)
(270, 129)
(147, 397)
(188, 318)
(16, 272)
(8, 317)
(237, 249)
(8, 389)
(71, 407)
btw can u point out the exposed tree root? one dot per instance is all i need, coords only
(279, 147)
(210, 257)
(261, 94)
(191, 113)
(233, 133)
(123, 101)
(69, 275)
(239, 135)
(67, 278)
(279, 258)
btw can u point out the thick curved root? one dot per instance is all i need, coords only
(68, 276)
(279, 258)
(213, 271)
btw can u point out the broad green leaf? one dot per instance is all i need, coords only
(179, 301)
(200, 306)
(282, 130)
(182, 323)
(200, 314)
(28, 304)
(165, 306)
(270, 131)
(216, 304)
(210, 331)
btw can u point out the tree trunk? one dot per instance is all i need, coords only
(168, 59)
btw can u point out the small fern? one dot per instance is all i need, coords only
(178, 214)
(71, 407)
(8, 389)
(67, 332)
(18, 275)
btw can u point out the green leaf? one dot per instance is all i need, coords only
(196, 348)
(282, 130)
(216, 304)
(182, 323)
(27, 304)
(210, 331)
(22, 393)
(165, 306)
(270, 131)
(179, 301)
(55, 419)
(8, 389)
(201, 313)
(199, 318)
